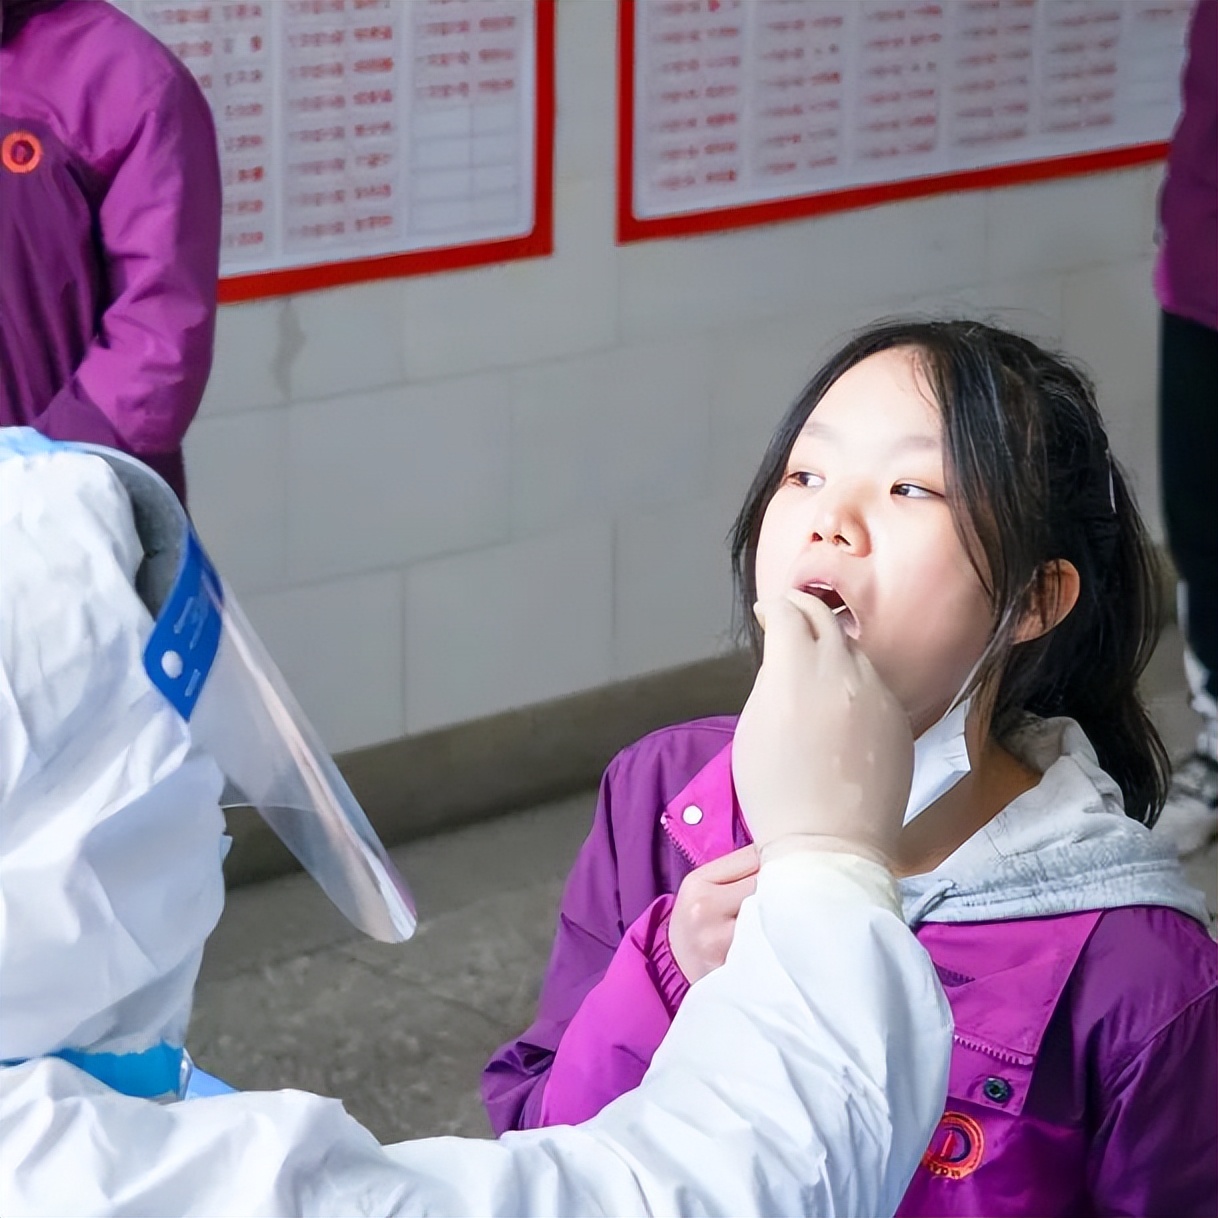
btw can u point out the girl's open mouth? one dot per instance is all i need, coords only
(837, 605)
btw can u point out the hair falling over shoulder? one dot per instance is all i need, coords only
(1031, 479)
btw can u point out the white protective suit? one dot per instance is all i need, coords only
(804, 1076)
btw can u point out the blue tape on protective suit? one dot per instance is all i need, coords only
(24, 442)
(202, 1085)
(186, 635)
(155, 1071)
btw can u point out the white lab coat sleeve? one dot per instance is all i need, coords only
(804, 1076)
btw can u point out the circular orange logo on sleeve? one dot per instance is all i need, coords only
(955, 1150)
(20, 152)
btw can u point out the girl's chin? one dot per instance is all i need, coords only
(921, 716)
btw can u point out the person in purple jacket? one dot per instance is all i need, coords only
(109, 232)
(1186, 283)
(946, 487)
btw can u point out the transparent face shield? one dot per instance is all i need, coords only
(208, 661)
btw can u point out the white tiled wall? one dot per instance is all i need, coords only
(1110, 321)
(387, 478)
(508, 625)
(448, 496)
(342, 643)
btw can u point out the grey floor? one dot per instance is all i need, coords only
(291, 996)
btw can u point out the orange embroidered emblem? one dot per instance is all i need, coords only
(20, 151)
(955, 1150)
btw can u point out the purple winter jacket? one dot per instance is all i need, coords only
(1084, 1075)
(109, 232)
(1186, 273)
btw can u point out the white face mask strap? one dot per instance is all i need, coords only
(1014, 610)
(963, 695)
(941, 752)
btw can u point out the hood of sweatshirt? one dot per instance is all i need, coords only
(1063, 847)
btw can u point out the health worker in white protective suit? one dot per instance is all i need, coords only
(804, 1076)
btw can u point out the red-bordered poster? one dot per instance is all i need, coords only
(365, 139)
(741, 112)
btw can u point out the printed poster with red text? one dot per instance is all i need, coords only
(737, 112)
(365, 138)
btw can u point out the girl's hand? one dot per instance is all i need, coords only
(823, 752)
(703, 917)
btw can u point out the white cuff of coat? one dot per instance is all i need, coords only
(841, 878)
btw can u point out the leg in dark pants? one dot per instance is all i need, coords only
(1188, 455)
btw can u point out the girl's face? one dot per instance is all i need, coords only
(860, 518)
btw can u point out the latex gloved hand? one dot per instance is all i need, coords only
(703, 918)
(823, 752)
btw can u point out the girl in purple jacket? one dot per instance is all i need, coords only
(947, 488)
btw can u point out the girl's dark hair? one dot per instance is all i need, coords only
(1030, 479)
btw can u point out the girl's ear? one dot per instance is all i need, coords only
(1054, 593)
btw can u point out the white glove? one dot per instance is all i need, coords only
(823, 752)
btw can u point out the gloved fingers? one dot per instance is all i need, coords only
(820, 617)
(787, 621)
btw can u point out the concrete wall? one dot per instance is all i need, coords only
(441, 498)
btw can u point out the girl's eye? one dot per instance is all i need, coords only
(804, 477)
(911, 490)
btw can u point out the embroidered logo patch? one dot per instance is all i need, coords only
(20, 152)
(955, 1150)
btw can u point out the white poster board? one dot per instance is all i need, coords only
(355, 129)
(743, 102)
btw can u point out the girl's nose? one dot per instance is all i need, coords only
(838, 520)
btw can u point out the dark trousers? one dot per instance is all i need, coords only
(1188, 462)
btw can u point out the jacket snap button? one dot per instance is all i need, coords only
(997, 1089)
(692, 815)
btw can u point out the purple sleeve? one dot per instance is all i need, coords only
(590, 929)
(142, 377)
(1155, 1152)
(1188, 203)
(612, 1038)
